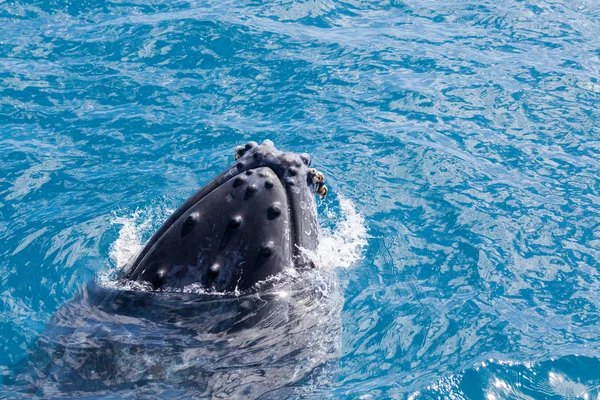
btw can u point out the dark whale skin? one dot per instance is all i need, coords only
(268, 342)
(247, 224)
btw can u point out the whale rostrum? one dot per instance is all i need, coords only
(249, 223)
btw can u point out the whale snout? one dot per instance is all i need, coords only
(249, 223)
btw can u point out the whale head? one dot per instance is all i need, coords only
(251, 222)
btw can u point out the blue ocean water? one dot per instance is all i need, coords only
(462, 136)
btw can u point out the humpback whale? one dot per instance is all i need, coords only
(247, 224)
(223, 301)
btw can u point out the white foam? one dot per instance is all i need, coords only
(567, 388)
(129, 242)
(340, 246)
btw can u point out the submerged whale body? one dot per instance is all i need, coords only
(230, 308)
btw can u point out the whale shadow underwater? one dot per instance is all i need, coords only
(223, 301)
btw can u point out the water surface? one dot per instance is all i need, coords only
(465, 133)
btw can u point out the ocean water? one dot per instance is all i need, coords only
(459, 140)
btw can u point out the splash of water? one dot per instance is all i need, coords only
(129, 242)
(134, 229)
(340, 245)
